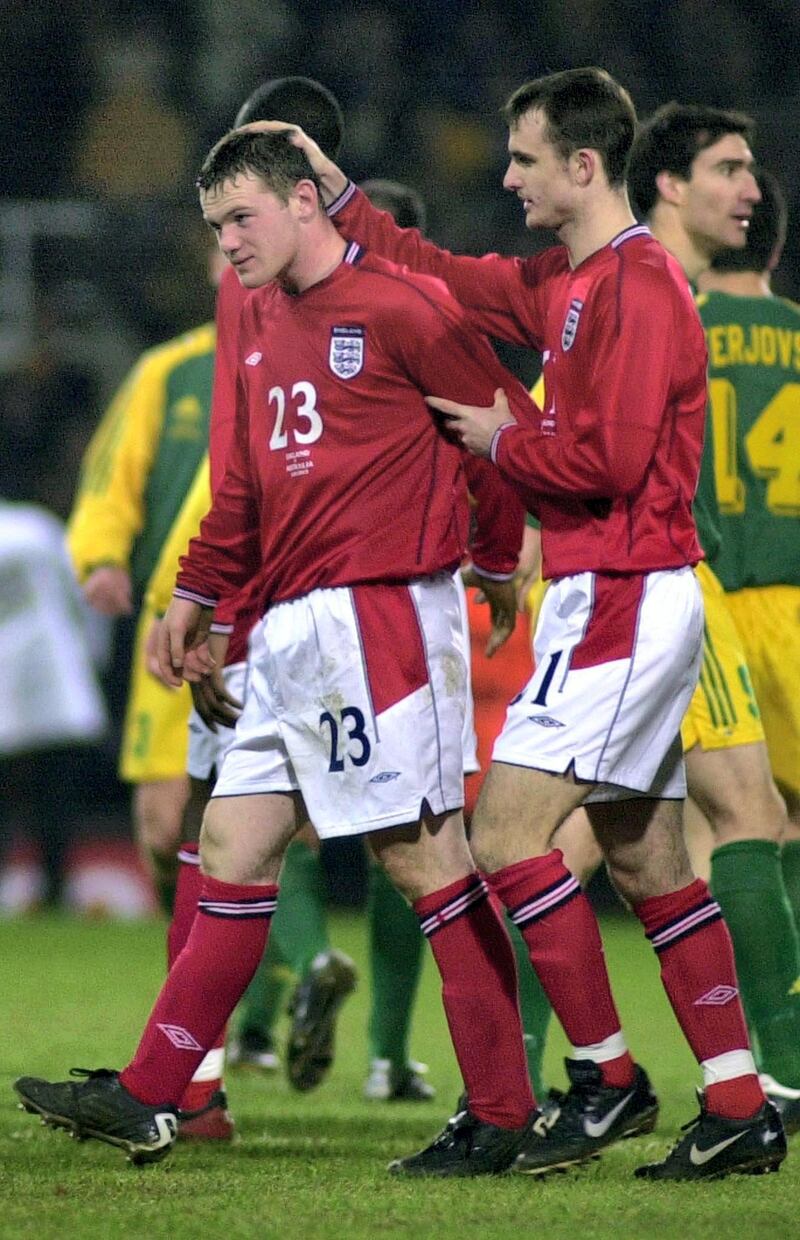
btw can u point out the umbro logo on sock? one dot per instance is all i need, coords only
(180, 1037)
(717, 997)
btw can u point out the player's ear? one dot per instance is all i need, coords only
(585, 163)
(308, 199)
(670, 186)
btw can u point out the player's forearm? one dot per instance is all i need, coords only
(218, 564)
(566, 465)
(499, 519)
(491, 288)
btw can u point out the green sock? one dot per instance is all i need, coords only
(165, 893)
(300, 927)
(747, 882)
(395, 953)
(534, 1007)
(262, 1001)
(790, 864)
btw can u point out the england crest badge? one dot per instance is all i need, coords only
(570, 328)
(346, 355)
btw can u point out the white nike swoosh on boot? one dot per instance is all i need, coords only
(699, 1157)
(599, 1127)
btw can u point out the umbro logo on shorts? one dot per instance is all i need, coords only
(546, 721)
(385, 777)
(253, 359)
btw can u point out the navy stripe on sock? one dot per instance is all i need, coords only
(462, 904)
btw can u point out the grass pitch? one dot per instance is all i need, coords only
(76, 993)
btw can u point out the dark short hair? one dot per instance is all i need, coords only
(766, 235)
(300, 101)
(671, 140)
(582, 108)
(270, 156)
(401, 201)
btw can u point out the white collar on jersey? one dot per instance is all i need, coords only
(635, 230)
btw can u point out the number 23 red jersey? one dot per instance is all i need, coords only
(337, 472)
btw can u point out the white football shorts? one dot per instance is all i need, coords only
(207, 748)
(356, 699)
(469, 738)
(617, 660)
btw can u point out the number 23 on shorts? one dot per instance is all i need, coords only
(348, 739)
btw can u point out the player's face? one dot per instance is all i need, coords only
(256, 232)
(718, 198)
(538, 174)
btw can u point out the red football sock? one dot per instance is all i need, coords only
(226, 943)
(563, 939)
(479, 992)
(694, 949)
(187, 893)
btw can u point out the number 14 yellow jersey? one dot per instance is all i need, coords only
(753, 437)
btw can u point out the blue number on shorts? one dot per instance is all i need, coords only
(336, 764)
(547, 680)
(357, 733)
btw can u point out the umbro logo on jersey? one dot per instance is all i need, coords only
(384, 777)
(346, 355)
(570, 329)
(717, 997)
(253, 359)
(546, 721)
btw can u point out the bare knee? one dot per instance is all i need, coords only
(243, 839)
(644, 847)
(518, 813)
(158, 816)
(424, 857)
(582, 853)
(735, 790)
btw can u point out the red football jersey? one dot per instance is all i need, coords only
(231, 297)
(337, 472)
(239, 613)
(611, 465)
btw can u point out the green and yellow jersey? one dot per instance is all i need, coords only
(752, 459)
(143, 459)
(184, 528)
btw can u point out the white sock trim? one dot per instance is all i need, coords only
(211, 1067)
(601, 1052)
(727, 1067)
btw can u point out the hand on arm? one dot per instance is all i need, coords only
(108, 590)
(184, 629)
(475, 426)
(212, 701)
(151, 652)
